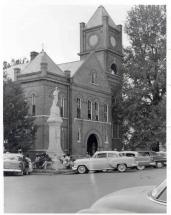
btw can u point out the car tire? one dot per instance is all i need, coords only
(159, 164)
(140, 167)
(82, 169)
(121, 167)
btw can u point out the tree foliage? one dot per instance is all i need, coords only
(14, 62)
(142, 110)
(19, 128)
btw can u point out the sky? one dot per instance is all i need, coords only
(29, 27)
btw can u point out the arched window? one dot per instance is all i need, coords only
(93, 77)
(33, 99)
(89, 110)
(114, 69)
(96, 111)
(106, 113)
(79, 135)
(106, 136)
(78, 108)
(62, 107)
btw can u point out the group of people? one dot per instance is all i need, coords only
(41, 161)
(67, 161)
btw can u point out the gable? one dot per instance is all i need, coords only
(83, 76)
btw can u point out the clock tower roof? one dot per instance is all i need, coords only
(97, 18)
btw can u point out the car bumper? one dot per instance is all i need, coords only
(74, 168)
(12, 170)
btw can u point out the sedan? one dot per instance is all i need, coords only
(145, 199)
(16, 163)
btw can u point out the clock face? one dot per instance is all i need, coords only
(93, 40)
(113, 41)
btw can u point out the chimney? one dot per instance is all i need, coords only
(16, 73)
(33, 55)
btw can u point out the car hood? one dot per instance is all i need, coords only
(130, 200)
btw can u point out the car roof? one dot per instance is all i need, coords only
(107, 152)
(13, 154)
(128, 151)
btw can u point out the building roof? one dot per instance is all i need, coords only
(97, 18)
(71, 66)
(35, 65)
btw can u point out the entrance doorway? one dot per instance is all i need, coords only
(92, 144)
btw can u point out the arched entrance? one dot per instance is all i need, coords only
(92, 144)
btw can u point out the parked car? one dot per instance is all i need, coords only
(143, 199)
(155, 159)
(104, 160)
(142, 160)
(160, 159)
(147, 158)
(16, 163)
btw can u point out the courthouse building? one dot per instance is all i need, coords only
(88, 88)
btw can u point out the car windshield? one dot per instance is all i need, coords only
(10, 158)
(159, 193)
(112, 155)
(101, 155)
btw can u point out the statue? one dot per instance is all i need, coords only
(55, 120)
(54, 110)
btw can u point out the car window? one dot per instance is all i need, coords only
(163, 195)
(159, 193)
(11, 158)
(144, 153)
(130, 154)
(112, 155)
(102, 155)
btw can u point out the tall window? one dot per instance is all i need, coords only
(89, 110)
(33, 98)
(106, 113)
(96, 111)
(114, 69)
(78, 108)
(93, 77)
(62, 106)
(79, 135)
(106, 136)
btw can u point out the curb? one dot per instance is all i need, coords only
(52, 172)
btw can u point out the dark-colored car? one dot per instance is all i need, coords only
(147, 158)
(157, 159)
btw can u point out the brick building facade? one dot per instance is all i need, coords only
(87, 89)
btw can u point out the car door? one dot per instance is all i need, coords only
(144, 158)
(99, 162)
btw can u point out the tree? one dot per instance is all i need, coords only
(142, 109)
(19, 128)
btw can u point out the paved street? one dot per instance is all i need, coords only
(69, 193)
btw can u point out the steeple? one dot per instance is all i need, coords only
(102, 36)
(97, 18)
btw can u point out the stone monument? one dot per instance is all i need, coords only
(54, 121)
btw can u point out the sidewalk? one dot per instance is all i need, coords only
(52, 172)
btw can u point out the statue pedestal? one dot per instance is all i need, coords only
(54, 121)
(55, 151)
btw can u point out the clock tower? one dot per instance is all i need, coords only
(104, 37)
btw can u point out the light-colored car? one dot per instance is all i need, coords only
(144, 199)
(104, 160)
(16, 163)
